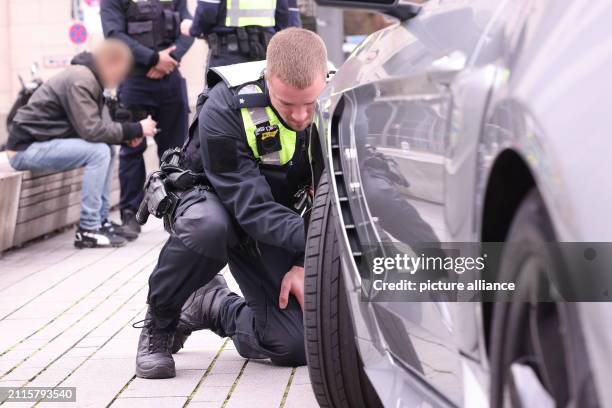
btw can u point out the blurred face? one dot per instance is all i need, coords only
(295, 106)
(112, 73)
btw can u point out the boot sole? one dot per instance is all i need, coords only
(156, 372)
(83, 245)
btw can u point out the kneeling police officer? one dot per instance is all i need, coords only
(250, 153)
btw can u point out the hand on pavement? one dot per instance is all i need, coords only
(148, 127)
(293, 283)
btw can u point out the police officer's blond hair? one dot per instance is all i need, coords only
(113, 51)
(297, 57)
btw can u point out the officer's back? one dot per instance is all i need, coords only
(239, 31)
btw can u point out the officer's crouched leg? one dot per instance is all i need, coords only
(284, 336)
(193, 255)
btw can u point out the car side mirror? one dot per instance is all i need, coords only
(401, 9)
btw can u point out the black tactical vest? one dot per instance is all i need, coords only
(285, 181)
(153, 23)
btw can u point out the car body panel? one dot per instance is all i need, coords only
(515, 90)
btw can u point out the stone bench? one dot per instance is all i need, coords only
(33, 204)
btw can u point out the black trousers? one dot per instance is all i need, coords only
(166, 101)
(205, 238)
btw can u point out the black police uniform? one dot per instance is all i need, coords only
(224, 47)
(245, 219)
(147, 27)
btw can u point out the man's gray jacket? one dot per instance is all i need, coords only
(69, 105)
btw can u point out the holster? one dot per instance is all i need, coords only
(213, 44)
(243, 41)
(257, 42)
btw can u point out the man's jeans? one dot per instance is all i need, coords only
(68, 154)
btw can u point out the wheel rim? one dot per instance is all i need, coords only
(541, 349)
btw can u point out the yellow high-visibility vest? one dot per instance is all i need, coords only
(241, 13)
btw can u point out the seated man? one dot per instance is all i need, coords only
(62, 127)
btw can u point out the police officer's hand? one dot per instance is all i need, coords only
(166, 63)
(293, 283)
(154, 73)
(148, 127)
(186, 27)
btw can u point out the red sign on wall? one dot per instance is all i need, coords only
(78, 33)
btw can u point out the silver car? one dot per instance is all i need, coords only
(467, 121)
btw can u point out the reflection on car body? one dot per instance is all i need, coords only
(449, 127)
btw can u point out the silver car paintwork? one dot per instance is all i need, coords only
(536, 82)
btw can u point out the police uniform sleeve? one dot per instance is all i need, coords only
(281, 15)
(234, 174)
(205, 18)
(295, 20)
(183, 42)
(114, 25)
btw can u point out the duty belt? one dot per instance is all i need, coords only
(251, 42)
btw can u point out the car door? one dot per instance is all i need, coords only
(393, 133)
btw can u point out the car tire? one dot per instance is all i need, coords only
(544, 336)
(336, 370)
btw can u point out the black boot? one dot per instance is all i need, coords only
(201, 310)
(153, 358)
(114, 228)
(129, 223)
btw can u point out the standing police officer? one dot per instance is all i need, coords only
(151, 28)
(239, 30)
(252, 142)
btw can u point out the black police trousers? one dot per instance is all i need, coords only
(203, 241)
(166, 101)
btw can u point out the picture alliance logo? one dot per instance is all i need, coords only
(404, 263)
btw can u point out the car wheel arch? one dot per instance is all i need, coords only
(510, 180)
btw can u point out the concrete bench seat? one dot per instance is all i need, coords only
(33, 204)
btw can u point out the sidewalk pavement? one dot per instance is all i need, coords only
(66, 320)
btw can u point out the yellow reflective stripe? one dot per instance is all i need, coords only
(249, 21)
(257, 4)
(287, 136)
(249, 129)
(242, 13)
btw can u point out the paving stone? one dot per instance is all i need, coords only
(228, 366)
(192, 360)
(261, 382)
(73, 328)
(221, 380)
(210, 393)
(180, 386)
(99, 381)
(166, 402)
(301, 396)
(301, 376)
(200, 404)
